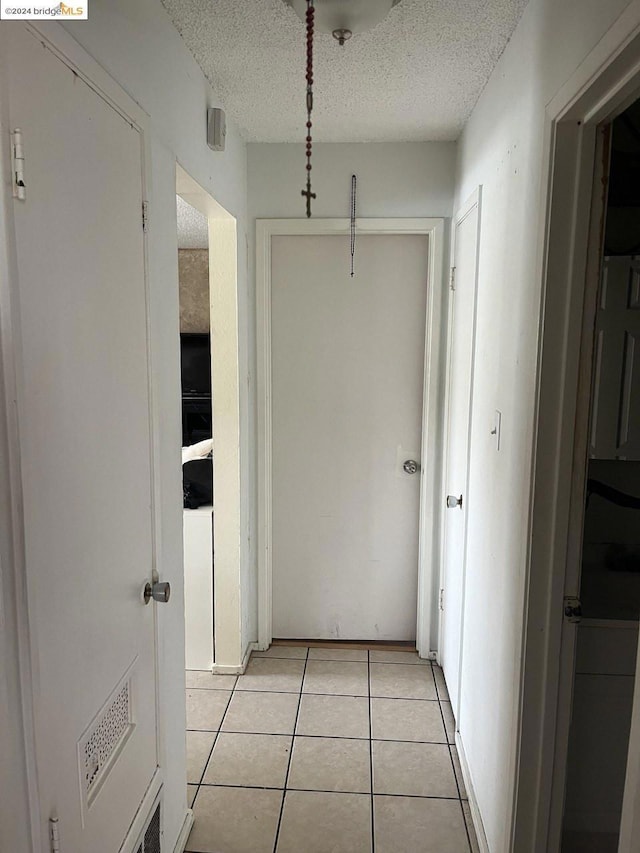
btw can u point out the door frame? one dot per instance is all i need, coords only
(605, 83)
(429, 516)
(57, 40)
(474, 200)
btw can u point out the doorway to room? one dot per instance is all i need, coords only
(605, 591)
(207, 251)
(348, 384)
(197, 434)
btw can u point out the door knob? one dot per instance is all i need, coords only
(453, 502)
(158, 591)
(411, 466)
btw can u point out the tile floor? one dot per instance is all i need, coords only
(325, 751)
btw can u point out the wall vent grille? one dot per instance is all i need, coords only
(151, 842)
(104, 739)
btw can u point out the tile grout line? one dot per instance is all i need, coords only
(453, 764)
(314, 693)
(373, 826)
(293, 737)
(325, 737)
(215, 740)
(323, 791)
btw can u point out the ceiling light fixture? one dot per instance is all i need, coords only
(353, 16)
(341, 18)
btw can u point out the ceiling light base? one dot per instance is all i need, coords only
(355, 16)
(341, 35)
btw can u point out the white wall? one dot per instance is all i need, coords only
(394, 179)
(502, 149)
(139, 47)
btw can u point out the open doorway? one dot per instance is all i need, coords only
(207, 250)
(197, 434)
(608, 608)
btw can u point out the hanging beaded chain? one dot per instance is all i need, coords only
(353, 220)
(310, 16)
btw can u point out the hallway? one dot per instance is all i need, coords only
(295, 754)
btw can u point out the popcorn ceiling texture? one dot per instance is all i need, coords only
(414, 77)
(192, 226)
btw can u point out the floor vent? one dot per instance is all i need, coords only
(152, 840)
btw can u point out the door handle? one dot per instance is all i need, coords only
(158, 591)
(410, 466)
(453, 502)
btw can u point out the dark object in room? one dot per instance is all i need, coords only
(195, 364)
(197, 483)
(615, 496)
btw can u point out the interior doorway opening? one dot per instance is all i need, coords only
(207, 249)
(609, 565)
(571, 260)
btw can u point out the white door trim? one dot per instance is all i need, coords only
(431, 420)
(55, 38)
(474, 200)
(606, 82)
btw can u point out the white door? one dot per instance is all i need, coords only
(347, 380)
(83, 407)
(460, 367)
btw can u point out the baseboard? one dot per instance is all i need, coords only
(181, 843)
(223, 669)
(471, 794)
(382, 645)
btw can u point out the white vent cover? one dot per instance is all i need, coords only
(104, 739)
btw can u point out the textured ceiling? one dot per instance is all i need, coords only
(416, 76)
(192, 226)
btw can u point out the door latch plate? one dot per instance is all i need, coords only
(572, 609)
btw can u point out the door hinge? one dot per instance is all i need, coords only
(572, 609)
(145, 215)
(17, 165)
(441, 600)
(54, 835)
(452, 279)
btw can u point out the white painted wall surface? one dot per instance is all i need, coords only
(139, 47)
(502, 149)
(394, 179)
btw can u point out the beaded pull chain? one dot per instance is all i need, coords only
(310, 20)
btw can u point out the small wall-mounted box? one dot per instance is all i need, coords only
(216, 129)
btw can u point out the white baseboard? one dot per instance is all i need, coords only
(471, 794)
(181, 843)
(222, 669)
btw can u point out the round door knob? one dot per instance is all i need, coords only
(411, 466)
(453, 501)
(158, 591)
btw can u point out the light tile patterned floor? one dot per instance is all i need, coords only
(325, 751)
